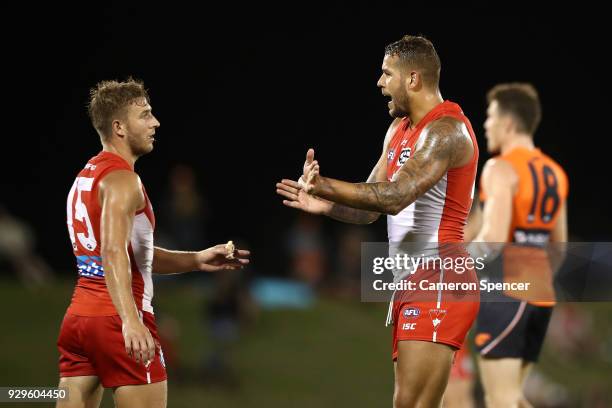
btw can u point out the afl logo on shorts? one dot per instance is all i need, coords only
(412, 312)
(404, 155)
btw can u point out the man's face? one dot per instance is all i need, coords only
(496, 127)
(392, 84)
(140, 126)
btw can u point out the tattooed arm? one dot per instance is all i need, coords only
(445, 144)
(343, 213)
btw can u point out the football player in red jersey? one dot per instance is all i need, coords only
(423, 181)
(108, 337)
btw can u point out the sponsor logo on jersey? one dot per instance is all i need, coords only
(537, 238)
(390, 155)
(408, 326)
(412, 312)
(90, 266)
(437, 315)
(403, 156)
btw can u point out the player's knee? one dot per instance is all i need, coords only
(73, 387)
(525, 403)
(508, 398)
(82, 393)
(404, 397)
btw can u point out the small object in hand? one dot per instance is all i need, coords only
(230, 248)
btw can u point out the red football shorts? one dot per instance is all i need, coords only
(447, 324)
(438, 316)
(95, 346)
(441, 307)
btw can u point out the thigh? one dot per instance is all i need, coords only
(83, 392)
(525, 370)
(422, 370)
(459, 393)
(500, 376)
(535, 333)
(142, 396)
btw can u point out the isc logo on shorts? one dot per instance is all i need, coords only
(408, 326)
(412, 312)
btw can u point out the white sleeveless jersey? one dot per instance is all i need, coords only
(439, 215)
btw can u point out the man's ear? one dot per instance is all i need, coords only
(509, 123)
(414, 81)
(118, 128)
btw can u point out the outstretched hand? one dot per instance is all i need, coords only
(296, 192)
(216, 259)
(310, 172)
(296, 197)
(309, 159)
(310, 179)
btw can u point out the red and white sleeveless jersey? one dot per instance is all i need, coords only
(439, 215)
(91, 297)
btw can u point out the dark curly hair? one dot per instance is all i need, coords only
(418, 52)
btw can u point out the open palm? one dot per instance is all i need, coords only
(296, 197)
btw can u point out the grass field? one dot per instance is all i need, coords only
(335, 354)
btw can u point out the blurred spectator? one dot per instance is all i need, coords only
(544, 393)
(346, 278)
(169, 330)
(228, 311)
(571, 331)
(306, 245)
(17, 243)
(183, 212)
(574, 340)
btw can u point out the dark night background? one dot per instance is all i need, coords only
(241, 93)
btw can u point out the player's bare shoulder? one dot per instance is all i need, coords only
(447, 138)
(497, 171)
(122, 185)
